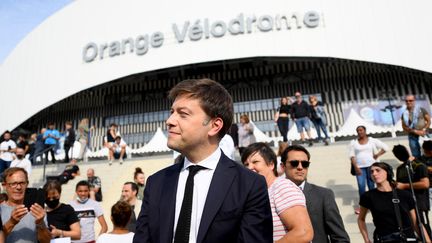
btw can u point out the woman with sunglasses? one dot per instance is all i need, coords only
(62, 219)
(363, 152)
(380, 202)
(291, 222)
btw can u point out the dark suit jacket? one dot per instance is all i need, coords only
(324, 214)
(237, 207)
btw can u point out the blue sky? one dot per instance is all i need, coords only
(19, 17)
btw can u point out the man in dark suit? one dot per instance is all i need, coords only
(320, 202)
(206, 197)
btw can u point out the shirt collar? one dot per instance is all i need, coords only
(302, 185)
(209, 163)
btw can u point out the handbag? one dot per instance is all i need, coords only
(353, 172)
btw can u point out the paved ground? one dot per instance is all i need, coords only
(330, 168)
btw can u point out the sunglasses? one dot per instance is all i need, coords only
(409, 100)
(295, 163)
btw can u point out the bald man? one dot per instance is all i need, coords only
(95, 185)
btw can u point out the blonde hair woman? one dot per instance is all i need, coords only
(245, 133)
(83, 138)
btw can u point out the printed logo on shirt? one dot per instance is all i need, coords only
(90, 213)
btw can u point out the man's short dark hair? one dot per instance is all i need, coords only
(212, 96)
(284, 155)
(121, 213)
(82, 183)
(265, 151)
(427, 145)
(133, 185)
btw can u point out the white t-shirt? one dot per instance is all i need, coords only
(283, 194)
(118, 147)
(24, 163)
(87, 214)
(363, 153)
(111, 238)
(7, 156)
(227, 146)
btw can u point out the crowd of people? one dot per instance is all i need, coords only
(206, 196)
(41, 217)
(303, 114)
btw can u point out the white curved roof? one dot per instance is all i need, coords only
(48, 64)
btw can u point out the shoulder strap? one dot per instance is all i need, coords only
(396, 201)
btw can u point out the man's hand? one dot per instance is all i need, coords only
(17, 214)
(38, 212)
(358, 171)
(56, 232)
(401, 186)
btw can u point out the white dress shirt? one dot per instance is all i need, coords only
(202, 182)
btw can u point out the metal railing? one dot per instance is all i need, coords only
(44, 161)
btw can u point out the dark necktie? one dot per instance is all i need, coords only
(184, 220)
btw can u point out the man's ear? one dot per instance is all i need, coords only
(216, 126)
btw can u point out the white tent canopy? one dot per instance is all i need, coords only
(158, 143)
(259, 135)
(354, 120)
(294, 135)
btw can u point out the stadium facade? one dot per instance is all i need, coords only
(114, 61)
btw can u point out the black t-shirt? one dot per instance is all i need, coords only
(383, 213)
(110, 138)
(62, 217)
(70, 137)
(286, 109)
(428, 162)
(300, 110)
(420, 171)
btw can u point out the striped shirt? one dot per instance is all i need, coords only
(283, 194)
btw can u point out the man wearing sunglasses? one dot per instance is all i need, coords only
(320, 202)
(415, 121)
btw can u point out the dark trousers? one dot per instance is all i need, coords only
(66, 149)
(4, 165)
(283, 125)
(319, 124)
(51, 150)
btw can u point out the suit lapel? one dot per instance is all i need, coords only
(219, 186)
(307, 192)
(168, 202)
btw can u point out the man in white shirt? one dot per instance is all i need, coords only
(21, 161)
(206, 197)
(118, 150)
(7, 150)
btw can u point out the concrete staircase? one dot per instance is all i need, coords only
(330, 168)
